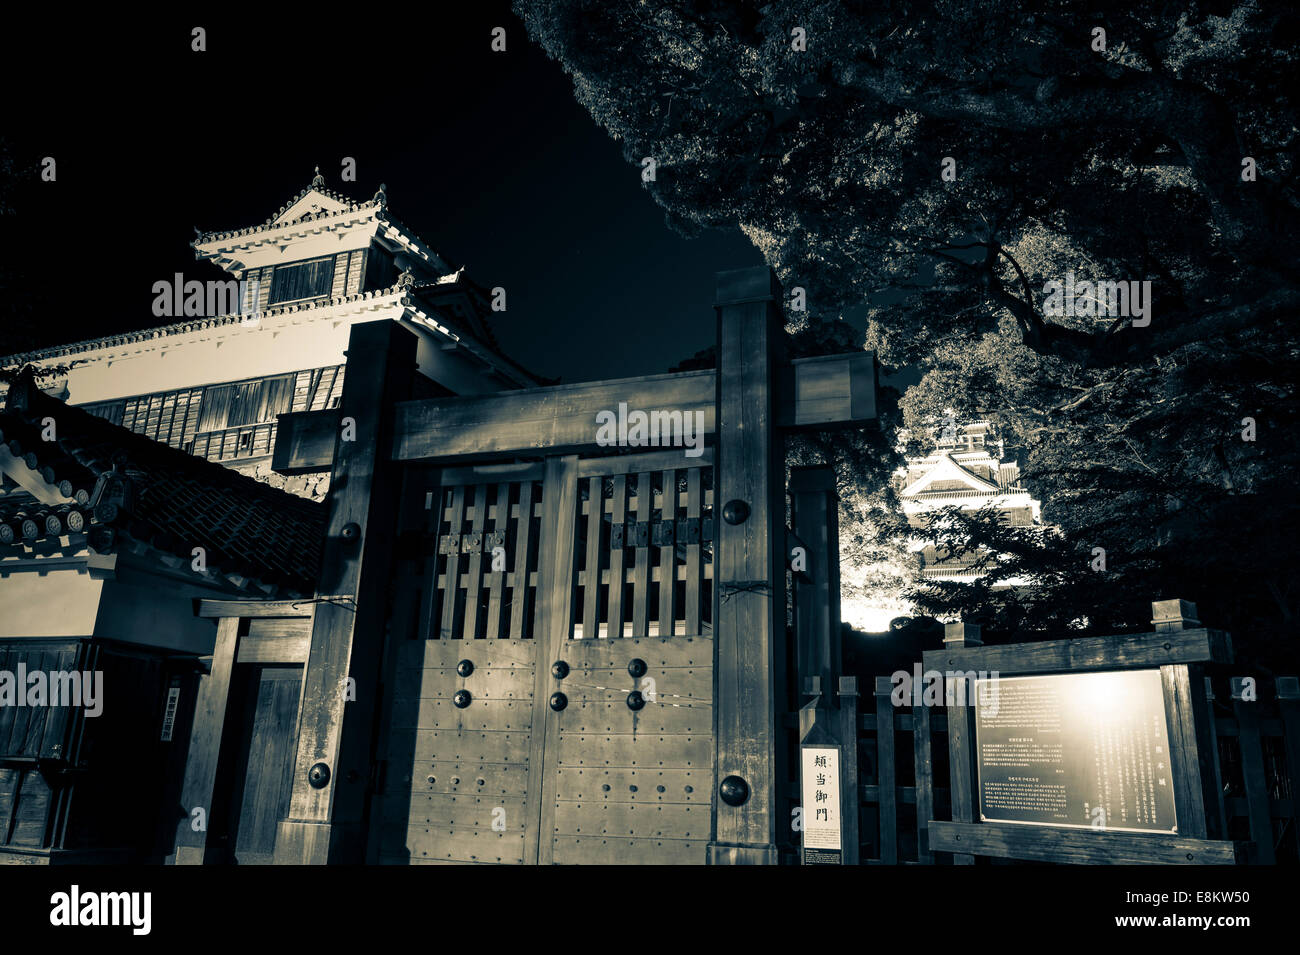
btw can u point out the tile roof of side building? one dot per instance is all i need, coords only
(173, 502)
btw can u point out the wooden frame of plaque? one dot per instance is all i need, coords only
(1177, 655)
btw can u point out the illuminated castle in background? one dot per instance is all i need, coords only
(965, 469)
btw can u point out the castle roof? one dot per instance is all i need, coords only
(314, 210)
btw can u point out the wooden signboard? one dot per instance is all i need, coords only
(1080, 725)
(819, 783)
(1086, 750)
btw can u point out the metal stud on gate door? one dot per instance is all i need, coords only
(635, 700)
(462, 699)
(465, 667)
(318, 776)
(559, 701)
(637, 667)
(735, 512)
(559, 669)
(733, 790)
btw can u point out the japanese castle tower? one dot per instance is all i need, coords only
(213, 384)
(965, 469)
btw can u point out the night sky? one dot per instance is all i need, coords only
(485, 155)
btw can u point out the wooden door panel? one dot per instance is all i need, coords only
(631, 820)
(457, 784)
(667, 686)
(500, 680)
(31, 810)
(627, 750)
(439, 654)
(497, 812)
(652, 720)
(631, 755)
(630, 784)
(602, 850)
(470, 778)
(267, 779)
(496, 746)
(460, 844)
(481, 715)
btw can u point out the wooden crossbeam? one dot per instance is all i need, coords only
(1125, 651)
(1086, 846)
(829, 392)
(556, 419)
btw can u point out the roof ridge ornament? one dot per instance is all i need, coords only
(318, 181)
(381, 197)
(22, 389)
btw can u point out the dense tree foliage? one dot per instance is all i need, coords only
(1152, 143)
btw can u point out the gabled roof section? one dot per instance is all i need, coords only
(317, 201)
(946, 469)
(128, 489)
(313, 200)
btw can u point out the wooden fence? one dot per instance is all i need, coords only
(902, 760)
(1257, 762)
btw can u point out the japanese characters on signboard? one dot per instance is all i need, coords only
(819, 775)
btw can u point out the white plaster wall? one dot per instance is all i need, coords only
(277, 345)
(280, 344)
(62, 602)
(157, 612)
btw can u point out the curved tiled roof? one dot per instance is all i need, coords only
(176, 501)
(271, 223)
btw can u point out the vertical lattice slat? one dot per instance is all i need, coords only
(924, 784)
(617, 569)
(474, 564)
(694, 502)
(645, 502)
(495, 578)
(432, 518)
(451, 578)
(668, 556)
(522, 537)
(591, 575)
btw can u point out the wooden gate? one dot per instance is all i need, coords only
(553, 670)
(498, 620)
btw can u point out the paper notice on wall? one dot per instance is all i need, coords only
(169, 711)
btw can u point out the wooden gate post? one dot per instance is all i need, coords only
(1246, 708)
(961, 733)
(205, 746)
(332, 769)
(849, 760)
(814, 508)
(749, 571)
(1288, 703)
(1187, 711)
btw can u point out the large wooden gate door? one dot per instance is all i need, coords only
(553, 667)
(629, 745)
(460, 745)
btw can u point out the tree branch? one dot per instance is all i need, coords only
(1197, 119)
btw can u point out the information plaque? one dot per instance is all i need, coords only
(819, 776)
(1088, 750)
